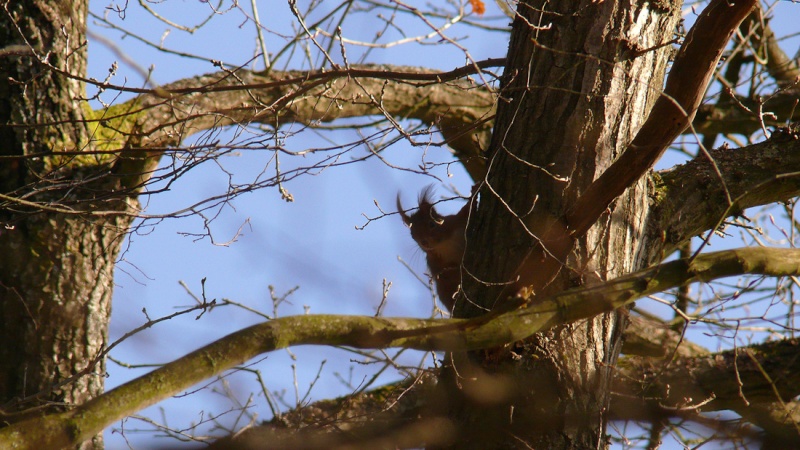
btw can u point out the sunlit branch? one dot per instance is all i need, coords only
(63, 429)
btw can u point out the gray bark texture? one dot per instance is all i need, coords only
(572, 99)
(56, 267)
(581, 78)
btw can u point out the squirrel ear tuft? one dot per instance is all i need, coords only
(426, 196)
(403, 215)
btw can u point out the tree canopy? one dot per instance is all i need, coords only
(596, 301)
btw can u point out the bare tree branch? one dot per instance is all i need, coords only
(757, 382)
(646, 391)
(734, 378)
(746, 114)
(783, 69)
(674, 110)
(647, 338)
(460, 109)
(692, 198)
(741, 116)
(63, 429)
(686, 85)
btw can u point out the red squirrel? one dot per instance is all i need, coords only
(443, 241)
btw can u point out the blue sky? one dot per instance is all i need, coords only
(312, 242)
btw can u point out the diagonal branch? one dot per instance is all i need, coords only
(146, 125)
(757, 382)
(741, 116)
(780, 66)
(744, 115)
(686, 85)
(68, 428)
(692, 198)
(646, 390)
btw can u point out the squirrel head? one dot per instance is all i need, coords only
(428, 227)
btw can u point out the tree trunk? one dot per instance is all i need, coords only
(56, 269)
(580, 79)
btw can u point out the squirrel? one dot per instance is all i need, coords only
(443, 240)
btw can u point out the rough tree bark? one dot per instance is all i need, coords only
(580, 79)
(56, 269)
(69, 177)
